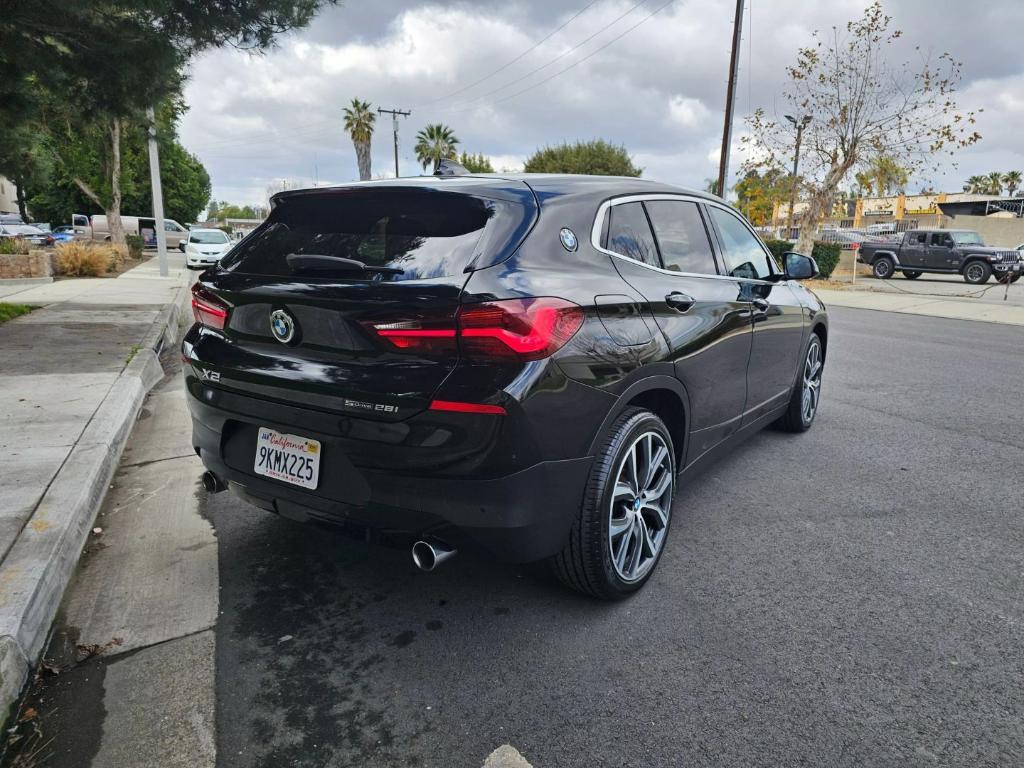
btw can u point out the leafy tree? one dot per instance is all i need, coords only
(223, 210)
(595, 158)
(435, 143)
(90, 67)
(757, 192)
(476, 163)
(863, 107)
(977, 185)
(359, 120)
(1012, 180)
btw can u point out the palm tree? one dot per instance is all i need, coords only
(435, 143)
(359, 120)
(994, 183)
(1012, 180)
(976, 185)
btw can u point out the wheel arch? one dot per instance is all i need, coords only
(664, 396)
(972, 257)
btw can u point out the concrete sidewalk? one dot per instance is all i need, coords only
(933, 306)
(75, 373)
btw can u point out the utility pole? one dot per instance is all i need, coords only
(730, 99)
(395, 114)
(800, 124)
(158, 194)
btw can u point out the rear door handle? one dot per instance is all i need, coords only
(680, 301)
(761, 305)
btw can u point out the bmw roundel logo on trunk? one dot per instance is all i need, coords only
(282, 326)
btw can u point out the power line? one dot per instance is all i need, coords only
(557, 58)
(508, 64)
(585, 58)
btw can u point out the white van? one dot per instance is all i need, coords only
(97, 228)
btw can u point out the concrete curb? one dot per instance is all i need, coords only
(40, 563)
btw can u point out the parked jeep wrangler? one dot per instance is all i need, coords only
(950, 251)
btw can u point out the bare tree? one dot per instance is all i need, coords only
(862, 107)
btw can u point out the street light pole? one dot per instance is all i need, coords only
(158, 195)
(800, 125)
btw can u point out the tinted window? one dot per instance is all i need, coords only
(744, 255)
(413, 234)
(629, 233)
(941, 238)
(921, 238)
(681, 236)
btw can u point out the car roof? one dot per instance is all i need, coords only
(544, 185)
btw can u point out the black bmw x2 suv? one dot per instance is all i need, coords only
(526, 364)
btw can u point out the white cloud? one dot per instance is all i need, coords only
(658, 90)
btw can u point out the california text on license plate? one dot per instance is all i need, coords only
(290, 458)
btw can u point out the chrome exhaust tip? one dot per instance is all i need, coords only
(212, 483)
(427, 555)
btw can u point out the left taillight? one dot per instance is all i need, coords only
(208, 309)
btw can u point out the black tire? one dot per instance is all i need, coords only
(977, 272)
(795, 418)
(1015, 278)
(1007, 277)
(585, 563)
(883, 267)
(911, 274)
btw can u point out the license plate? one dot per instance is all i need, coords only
(289, 458)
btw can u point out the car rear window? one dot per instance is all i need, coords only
(399, 234)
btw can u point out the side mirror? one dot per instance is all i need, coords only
(799, 267)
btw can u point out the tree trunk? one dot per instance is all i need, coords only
(114, 209)
(19, 185)
(819, 204)
(363, 159)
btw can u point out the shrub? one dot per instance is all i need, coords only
(779, 247)
(827, 256)
(84, 259)
(116, 257)
(135, 245)
(13, 245)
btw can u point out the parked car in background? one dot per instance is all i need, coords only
(27, 232)
(528, 363)
(205, 247)
(97, 228)
(63, 233)
(11, 218)
(942, 251)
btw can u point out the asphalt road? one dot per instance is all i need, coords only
(851, 596)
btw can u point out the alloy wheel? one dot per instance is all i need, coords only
(975, 272)
(812, 381)
(641, 506)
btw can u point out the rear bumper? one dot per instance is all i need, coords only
(520, 516)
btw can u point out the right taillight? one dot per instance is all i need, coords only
(523, 329)
(510, 329)
(208, 310)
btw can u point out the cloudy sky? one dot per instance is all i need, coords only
(654, 83)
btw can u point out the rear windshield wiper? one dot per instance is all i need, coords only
(322, 262)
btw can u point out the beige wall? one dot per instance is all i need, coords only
(994, 230)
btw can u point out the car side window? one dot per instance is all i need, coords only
(921, 238)
(744, 255)
(682, 238)
(629, 233)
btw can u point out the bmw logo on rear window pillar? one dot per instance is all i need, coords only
(568, 238)
(282, 326)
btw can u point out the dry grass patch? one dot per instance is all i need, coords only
(87, 259)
